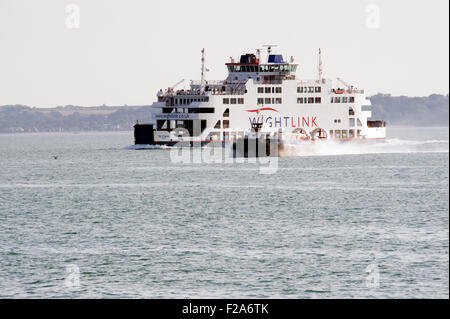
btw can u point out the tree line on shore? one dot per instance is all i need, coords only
(432, 110)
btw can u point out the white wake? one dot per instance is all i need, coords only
(394, 145)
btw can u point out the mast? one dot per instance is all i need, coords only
(202, 83)
(320, 65)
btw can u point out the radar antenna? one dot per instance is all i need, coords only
(269, 47)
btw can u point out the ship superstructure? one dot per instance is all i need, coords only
(258, 89)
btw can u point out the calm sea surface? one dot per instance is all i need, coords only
(352, 220)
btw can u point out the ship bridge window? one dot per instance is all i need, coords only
(226, 113)
(233, 101)
(267, 100)
(226, 101)
(240, 101)
(260, 89)
(260, 100)
(351, 111)
(310, 100)
(317, 89)
(278, 89)
(300, 100)
(217, 124)
(268, 90)
(264, 68)
(344, 99)
(352, 99)
(317, 100)
(226, 124)
(311, 89)
(300, 89)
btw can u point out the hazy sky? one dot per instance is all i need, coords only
(124, 51)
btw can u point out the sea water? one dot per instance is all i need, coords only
(83, 217)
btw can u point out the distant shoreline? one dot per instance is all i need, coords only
(430, 111)
(131, 130)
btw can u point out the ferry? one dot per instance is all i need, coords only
(261, 90)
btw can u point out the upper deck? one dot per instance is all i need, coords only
(273, 71)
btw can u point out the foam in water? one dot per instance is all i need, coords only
(145, 147)
(331, 147)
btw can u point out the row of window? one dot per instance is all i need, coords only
(268, 100)
(344, 133)
(216, 136)
(309, 100)
(351, 122)
(344, 99)
(187, 101)
(300, 100)
(270, 89)
(233, 101)
(262, 68)
(309, 89)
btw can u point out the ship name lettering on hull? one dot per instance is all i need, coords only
(288, 121)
